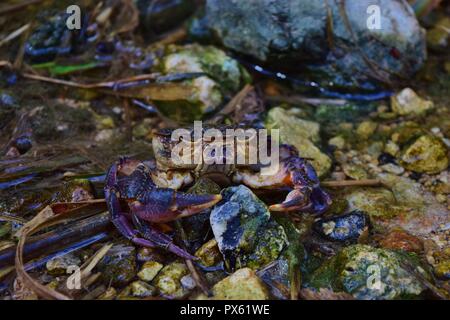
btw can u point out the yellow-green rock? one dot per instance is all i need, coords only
(209, 253)
(366, 129)
(244, 284)
(168, 280)
(149, 270)
(141, 289)
(427, 154)
(300, 133)
(407, 102)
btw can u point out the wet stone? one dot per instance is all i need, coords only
(407, 102)
(118, 267)
(243, 228)
(427, 154)
(350, 271)
(168, 280)
(243, 284)
(142, 289)
(209, 253)
(347, 227)
(301, 134)
(149, 270)
(401, 240)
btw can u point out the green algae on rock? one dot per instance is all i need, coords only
(245, 232)
(300, 133)
(370, 273)
(219, 77)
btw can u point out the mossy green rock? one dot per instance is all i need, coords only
(300, 133)
(427, 154)
(371, 274)
(244, 230)
(223, 78)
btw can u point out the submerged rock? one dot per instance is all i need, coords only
(299, 31)
(347, 227)
(243, 284)
(427, 154)
(401, 240)
(300, 133)
(407, 102)
(371, 274)
(118, 266)
(244, 230)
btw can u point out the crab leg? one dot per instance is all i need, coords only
(160, 239)
(307, 195)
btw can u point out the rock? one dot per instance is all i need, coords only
(243, 228)
(58, 266)
(338, 142)
(355, 270)
(118, 266)
(109, 294)
(188, 282)
(347, 227)
(209, 253)
(427, 154)
(168, 280)
(442, 269)
(354, 171)
(417, 210)
(141, 289)
(297, 33)
(276, 278)
(401, 240)
(438, 37)
(149, 254)
(149, 270)
(407, 102)
(224, 78)
(243, 284)
(366, 129)
(301, 134)
(392, 168)
(391, 148)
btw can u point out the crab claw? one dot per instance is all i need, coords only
(164, 205)
(189, 204)
(295, 200)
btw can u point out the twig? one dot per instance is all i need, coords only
(14, 34)
(18, 6)
(296, 99)
(201, 283)
(352, 183)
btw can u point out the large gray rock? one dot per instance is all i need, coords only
(333, 32)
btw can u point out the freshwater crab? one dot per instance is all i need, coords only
(150, 189)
